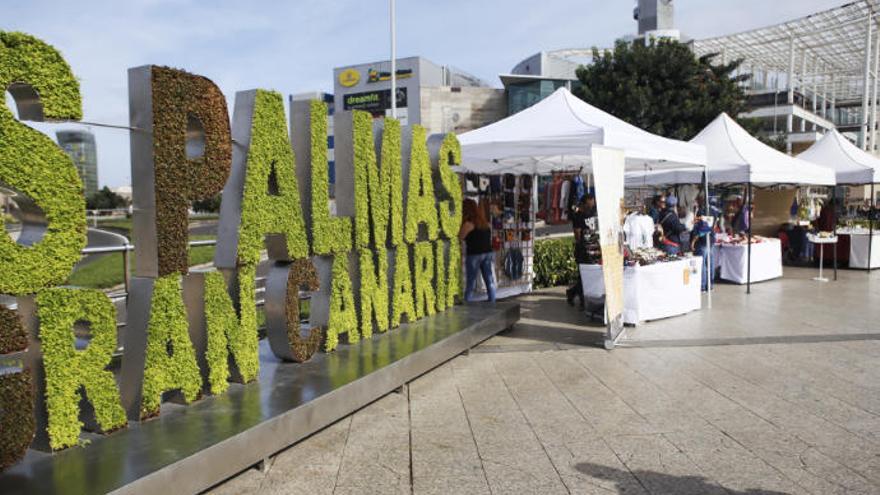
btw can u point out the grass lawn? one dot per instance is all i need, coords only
(107, 271)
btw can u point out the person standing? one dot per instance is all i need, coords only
(657, 207)
(583, 223)
(701, 231)
(479, 258)
(672, 227)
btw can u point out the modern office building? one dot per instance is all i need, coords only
(80, 146)
(440, 98)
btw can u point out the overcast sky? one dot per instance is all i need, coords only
(293, 46)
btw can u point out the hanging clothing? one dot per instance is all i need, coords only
(639, 231)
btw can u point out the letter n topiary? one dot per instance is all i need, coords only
(374, 290)
(229, 336)
(170, 358)
(67, 369)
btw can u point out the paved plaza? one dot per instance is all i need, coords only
(776, 392)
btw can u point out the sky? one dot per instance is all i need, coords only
(293, 46)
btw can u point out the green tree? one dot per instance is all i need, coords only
(662, 87)
(207, 205)
(105, 199)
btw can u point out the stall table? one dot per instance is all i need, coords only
(858, 248)
(766, 261)
(651, 292)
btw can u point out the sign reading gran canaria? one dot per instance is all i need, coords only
(389, 254)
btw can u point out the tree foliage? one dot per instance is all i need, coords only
(105, 199)
(662, 87)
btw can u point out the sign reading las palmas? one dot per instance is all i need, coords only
(390, 256)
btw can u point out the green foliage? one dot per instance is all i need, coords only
(178, 180)
(261, 213)
(207, 205)
(402, 293)
(440, 283)
(450, 211)
(343, 315)
(421, 204)
(170, 358)
(423, 262)
(374, 290)
(301, 276)
(13, 337)
(661, 87)
(554, 262)
(227, 335)
(68, 369)
(105, 199)
(330, 235)
(17, 424)
(453, 273)
(35, 166)
(377, 190)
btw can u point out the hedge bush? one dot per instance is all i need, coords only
(554, 262)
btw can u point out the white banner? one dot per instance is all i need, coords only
(608, 171)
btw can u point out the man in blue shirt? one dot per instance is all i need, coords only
(701, 231)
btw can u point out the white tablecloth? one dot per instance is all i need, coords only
(651, 292)
(858, 250)
(766, 261)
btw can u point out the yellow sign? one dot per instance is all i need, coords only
(349, 77)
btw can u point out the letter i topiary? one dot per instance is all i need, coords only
(227, 335)
(68, 369)
(440, 275)
(450, 211)
(402, 293)
(343, 316)
(374, 290)
(421, 205)
(453, 272)
(423, 261)
(170, 360)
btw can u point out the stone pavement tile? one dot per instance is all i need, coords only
(567, 437)
(794, 382)
(513, 459)
(661, 467)
(376, 455)
(792, 428)
(442, 443)
(311, 466)
(247, 482)
(839, 363)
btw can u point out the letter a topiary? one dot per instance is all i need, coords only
(423, 261)
(263, 213)
(227, 335)
(402, 293)
(68, 369)
(420, 201)
(170, 359)
(374, 290)
(32, 164)
(450, 211)
(343, 316)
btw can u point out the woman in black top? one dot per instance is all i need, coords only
(477, 236)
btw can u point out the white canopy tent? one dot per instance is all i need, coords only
(556, 134)
(850, 164)
(735, 156)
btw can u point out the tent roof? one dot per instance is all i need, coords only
(556, 134)
(852, 165)
(735, 156)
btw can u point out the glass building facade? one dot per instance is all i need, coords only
(80, 146)
(521, 95)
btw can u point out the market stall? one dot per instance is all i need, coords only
(653, 291)
(733, 255)
(852, 166)
(736, 157)
(558, 134)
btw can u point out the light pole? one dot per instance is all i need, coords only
(393, 63)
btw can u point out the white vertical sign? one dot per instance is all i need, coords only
(608, 169)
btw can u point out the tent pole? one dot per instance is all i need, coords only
(871, 212)
(747, 212)
(834, 225)
(709, 265)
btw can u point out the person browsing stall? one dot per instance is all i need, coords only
(672, 227)
(479, 257)
(583, 223)
(701, 231)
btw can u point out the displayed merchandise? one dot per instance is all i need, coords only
(639, 230)
(651, 292)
